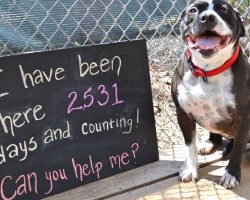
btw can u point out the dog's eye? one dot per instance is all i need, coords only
(224, 9)
(193, 10)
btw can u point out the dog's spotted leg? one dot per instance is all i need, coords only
(207, 146)
(232, 176)
(188, 172)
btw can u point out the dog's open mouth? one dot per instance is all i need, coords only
(209, 42)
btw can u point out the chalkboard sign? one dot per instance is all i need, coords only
(74, 116)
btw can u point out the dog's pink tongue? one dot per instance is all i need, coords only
(208, 42)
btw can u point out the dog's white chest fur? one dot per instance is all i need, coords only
(209, 103)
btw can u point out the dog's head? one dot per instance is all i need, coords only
(209, 26)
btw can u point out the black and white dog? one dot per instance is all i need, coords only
(211, 85)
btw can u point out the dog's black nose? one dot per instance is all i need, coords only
(207, 18)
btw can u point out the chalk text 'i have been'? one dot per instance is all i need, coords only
(38, 76)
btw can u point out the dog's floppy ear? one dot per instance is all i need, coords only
(241, 25)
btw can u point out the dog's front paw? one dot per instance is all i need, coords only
(188, 173)
(229, 181)
(205, 148)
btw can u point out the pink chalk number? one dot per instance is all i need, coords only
(89, 99)
(70, 108)
(117, 101)
(104, 93)
(88, 95)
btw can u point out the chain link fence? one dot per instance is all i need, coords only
(39, 25)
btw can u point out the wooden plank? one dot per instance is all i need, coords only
(123, 182)
(207, 188)
(178, 153)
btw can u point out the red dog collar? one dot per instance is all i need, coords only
(197, 71)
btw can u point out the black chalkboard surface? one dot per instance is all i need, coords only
(71, 117)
